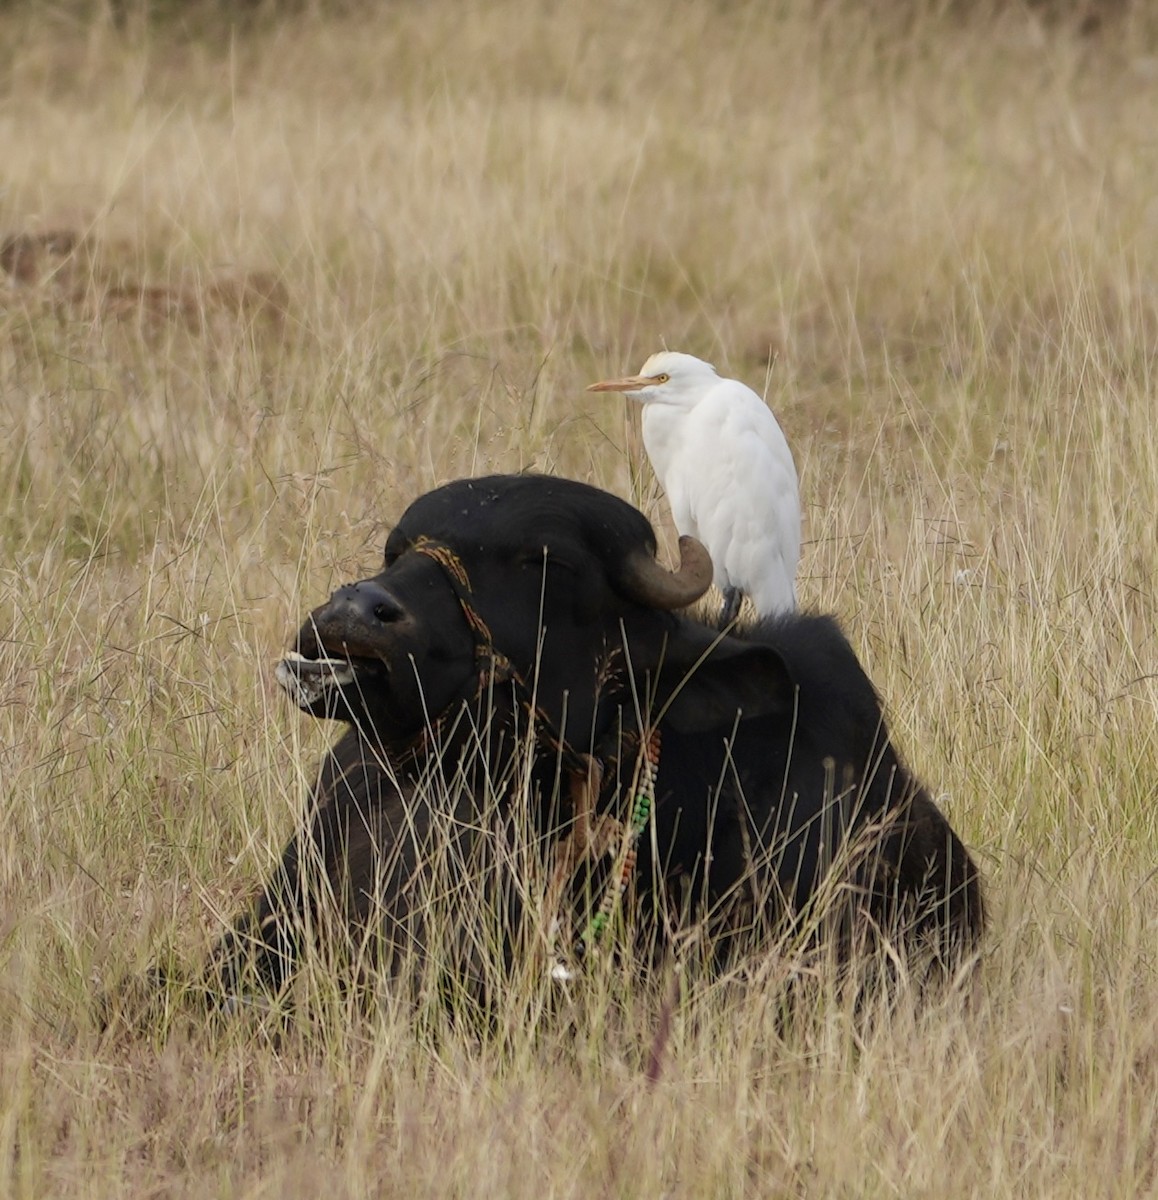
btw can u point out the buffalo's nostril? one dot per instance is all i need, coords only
(369, 602)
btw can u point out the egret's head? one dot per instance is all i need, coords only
(666, 378)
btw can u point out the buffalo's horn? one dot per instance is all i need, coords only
(647, 582)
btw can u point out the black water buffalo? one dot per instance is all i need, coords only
(506, 666)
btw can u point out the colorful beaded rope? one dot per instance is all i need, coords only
(621, 876)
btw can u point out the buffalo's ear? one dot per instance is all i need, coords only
(706, 679)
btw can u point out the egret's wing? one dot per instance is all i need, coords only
(746, 502)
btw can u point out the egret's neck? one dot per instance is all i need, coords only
(661, 434)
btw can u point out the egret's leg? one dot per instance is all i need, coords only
(733, 598)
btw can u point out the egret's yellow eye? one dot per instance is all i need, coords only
(662, 378)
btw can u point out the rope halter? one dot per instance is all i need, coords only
(585, 841)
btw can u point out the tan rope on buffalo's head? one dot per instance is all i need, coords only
(493, 664)
(445, 557)
(453, 567)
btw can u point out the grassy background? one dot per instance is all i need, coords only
(333, 262)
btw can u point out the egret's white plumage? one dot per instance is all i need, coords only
(725, 465)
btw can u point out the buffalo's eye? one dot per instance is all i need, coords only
(396, 547)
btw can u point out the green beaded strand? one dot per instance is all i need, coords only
(640, 814)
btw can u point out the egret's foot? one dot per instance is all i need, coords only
(733, 598)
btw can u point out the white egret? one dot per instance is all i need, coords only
(723, 461)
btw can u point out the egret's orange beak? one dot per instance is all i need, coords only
(633, 383)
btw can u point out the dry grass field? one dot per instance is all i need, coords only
(265, 289)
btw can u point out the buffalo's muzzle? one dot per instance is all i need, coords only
(343, 641)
